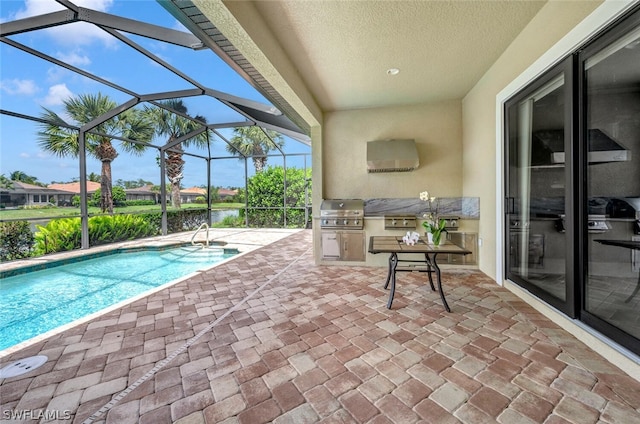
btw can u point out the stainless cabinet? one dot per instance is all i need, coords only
(467, 241)
(343, 245)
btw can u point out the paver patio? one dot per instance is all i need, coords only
(271, 337)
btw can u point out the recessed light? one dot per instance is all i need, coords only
(393, 71)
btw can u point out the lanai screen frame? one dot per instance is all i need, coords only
(267, 117)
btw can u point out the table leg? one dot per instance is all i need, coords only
(393, 263)
(435, 265)
(429, 271)
(635, 291)
(391, 259)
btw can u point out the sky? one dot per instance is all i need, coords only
(29, 84)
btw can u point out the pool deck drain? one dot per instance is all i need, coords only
(23, 366)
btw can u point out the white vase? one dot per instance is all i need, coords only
(430, 238)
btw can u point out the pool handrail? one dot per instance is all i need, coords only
(206, 244)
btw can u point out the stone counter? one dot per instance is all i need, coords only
(464, 207)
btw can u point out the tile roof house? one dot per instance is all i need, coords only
(68, 190)
(189, 195)
(145, 192)
(22, 194)
(223, 193)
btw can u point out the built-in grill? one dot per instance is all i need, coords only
(345, 214)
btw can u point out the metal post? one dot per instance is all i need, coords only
(84, 212)
(209, 191)
(246, 194)
(163, 192)
(284, 191)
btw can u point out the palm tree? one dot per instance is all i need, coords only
(255, 142)
(94, 177)
(56, 137)
(5, 182)
(175, 126)
(24, 178)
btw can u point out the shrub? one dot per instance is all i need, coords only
(59, 235)
(139, 203)
(177, 220)
(111, 229)
(230, 222)
(65, 234)
(16, 240)
(266, 193)
(118, 195)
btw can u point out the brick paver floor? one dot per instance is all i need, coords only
(271, 337)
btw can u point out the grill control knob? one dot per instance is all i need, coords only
(325, 221)
(357, 221)
(393, 222)
(335, 222)
(345, 222)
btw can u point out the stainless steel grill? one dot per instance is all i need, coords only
(342, 214)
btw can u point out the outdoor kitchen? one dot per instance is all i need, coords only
(347, 224)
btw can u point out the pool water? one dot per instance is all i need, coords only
(36, 302)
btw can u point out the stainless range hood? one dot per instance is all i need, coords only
(392, 156)
(548, 148)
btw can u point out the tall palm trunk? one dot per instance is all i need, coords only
(259, 162)
(175, 166)
(106, 191)
(106, 153)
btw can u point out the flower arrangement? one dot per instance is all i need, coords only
(431, 224)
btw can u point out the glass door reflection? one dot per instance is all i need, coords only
(611, 71)
(536, 187)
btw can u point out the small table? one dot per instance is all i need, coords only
(394, 246)
(629, 244)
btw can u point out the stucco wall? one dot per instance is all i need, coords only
(437, 130)
(479, 163)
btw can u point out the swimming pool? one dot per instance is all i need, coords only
(36, 302)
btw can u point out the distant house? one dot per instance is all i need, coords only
(68, 190)
(145, 192)
(22, 194)
(225, 193)
(189, 195)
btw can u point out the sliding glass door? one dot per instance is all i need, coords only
(610, 130)
(572, 199)
(539, 126)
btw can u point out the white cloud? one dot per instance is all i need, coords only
(55, 74)
(36, 7)
(57, 94)
(17, 86)
(25, 155)
(74, 58)
(74, 34)
(39, 7)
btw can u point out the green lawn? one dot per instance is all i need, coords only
(34, 214)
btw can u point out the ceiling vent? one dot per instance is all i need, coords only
(392, 156)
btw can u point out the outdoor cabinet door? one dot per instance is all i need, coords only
(352, 246)
(330, 245)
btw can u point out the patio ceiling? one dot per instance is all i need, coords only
(343, 49)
